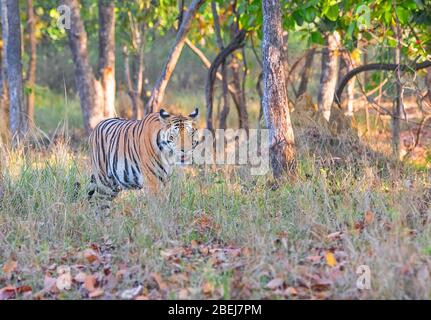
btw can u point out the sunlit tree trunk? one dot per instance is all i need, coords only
(89, 89)
(31, 70)
(329, 73)
(107, 55)
(275, 100)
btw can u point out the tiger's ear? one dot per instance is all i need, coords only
(194, 114)
(163, 114)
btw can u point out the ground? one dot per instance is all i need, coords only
(217, 232)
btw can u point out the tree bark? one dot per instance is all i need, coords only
(4, 92)
(31, 70)
(428, 84)
(225, 109)
(328, 78)
(12, 40)
(107, 55)
(398, 103)
(89, 89)
(306, 73)
(275, 100)
(158, 92)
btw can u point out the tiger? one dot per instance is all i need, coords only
(133, 154)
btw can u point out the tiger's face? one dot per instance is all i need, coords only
(179, 136)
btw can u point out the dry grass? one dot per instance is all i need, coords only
(218, 232)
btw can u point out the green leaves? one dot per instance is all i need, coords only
(332, 13)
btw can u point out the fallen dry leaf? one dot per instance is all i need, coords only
(183, 294)
(158, 278)
(96, 293)
(49, 284)
(131, 293)
(91, 255)
(24, 289)
(207, 287)
(64, 281)
(10, 266)
(330, 259)
(290, 291)
(368, 217)
(7, 292)
(90, 283)
(80, 277)
(275, 283)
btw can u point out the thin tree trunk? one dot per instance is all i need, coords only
(137, 72)
(428, 84)
(306, 73)
(158, 92)
(235, 44)
(107, 55)
(398, 103)
(31, 71)
(89, 89)
(225, 110)
(12, 38)
(328, 78)
(275, 100)
(4, 94)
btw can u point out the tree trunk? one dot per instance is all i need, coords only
(346, 65)
(158, 92)
(12, 41)
(31, 71)
(398, 103)
(328, 78)
(107, 55)
(428, 84)
(275, 100)
(235, 44)
(306, 73)
(225, 110)
(240, 103)
(90, 90)
(4, 92)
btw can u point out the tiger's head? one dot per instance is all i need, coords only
(178, 136)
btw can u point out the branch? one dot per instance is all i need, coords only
(206, 62)
(235, 44)
(375, 66)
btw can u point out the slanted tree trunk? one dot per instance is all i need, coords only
(398, 103)
(107, 55)
(12, 41)
(275, 100)
(346, 65)
(328, 78)
(158, 92)
(306, 73)
(236, 43)
(30, 80)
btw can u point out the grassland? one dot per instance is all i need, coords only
(216, 232)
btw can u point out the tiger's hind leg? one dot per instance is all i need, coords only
(91, 188)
